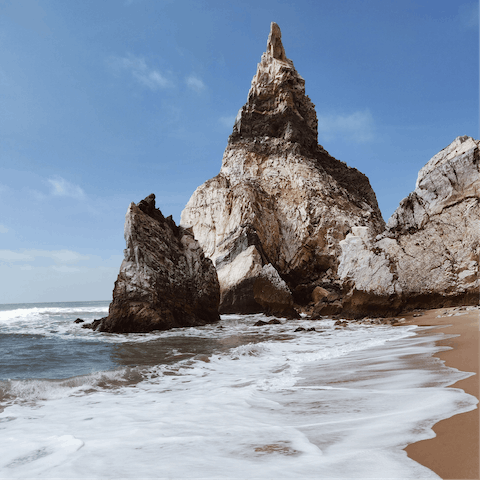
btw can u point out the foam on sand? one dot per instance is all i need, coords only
(325, 404)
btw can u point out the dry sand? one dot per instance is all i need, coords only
(454, 452)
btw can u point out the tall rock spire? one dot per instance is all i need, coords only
(277, 106)
(272, 219)
(274, 44)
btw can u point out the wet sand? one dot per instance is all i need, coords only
(454, 452)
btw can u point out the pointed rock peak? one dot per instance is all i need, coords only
(274, 43)
(277, 107)
(147, 205)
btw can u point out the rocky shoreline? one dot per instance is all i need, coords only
(286, 229)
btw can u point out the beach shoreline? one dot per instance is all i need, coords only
(454, 452)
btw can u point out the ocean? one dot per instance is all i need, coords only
(223, 401)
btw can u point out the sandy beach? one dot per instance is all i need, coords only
(454, 452)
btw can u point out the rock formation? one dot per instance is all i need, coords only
(428, 255)
(274, 216)
(165, 281)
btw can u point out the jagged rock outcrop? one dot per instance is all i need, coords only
(165, 280)
(428, 255)
(272, 219)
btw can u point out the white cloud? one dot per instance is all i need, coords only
(65, 269)
(10, 256)
(62, 188)
(141, 72)
(227, 121)
(56, 283)
(194, 83)
(58, 256)
(67, 256)
(3, 229)
(357, 126)
(39, 196)
(151, 79)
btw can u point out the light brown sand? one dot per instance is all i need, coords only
(454, 452)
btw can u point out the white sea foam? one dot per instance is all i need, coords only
(24, 314)
(34, 390)
(48, 321)
(325, 404)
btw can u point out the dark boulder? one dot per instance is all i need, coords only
(260, 323)
(165, 281)
(94, 325)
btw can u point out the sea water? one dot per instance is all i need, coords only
(228, 400)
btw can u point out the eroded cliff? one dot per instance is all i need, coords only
(428, 255)
(273, 218)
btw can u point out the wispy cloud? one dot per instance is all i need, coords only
(3, 229)
(61, 257)
(9, 256)
(227, 121)
(137, 66)
(29, 272)
(357, 126)
(194, 83)
(65, 269)
(468, 15)
(62, 188)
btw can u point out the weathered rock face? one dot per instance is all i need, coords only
(272, 219)
(428, 255)
(165, 280)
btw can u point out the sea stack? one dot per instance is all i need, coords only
(428, 255)
(274, 216)
(165, 280)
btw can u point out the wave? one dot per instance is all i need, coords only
(22, 314)
(302, 405)
(19, 391)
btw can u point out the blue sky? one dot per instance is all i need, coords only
(103, 103)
